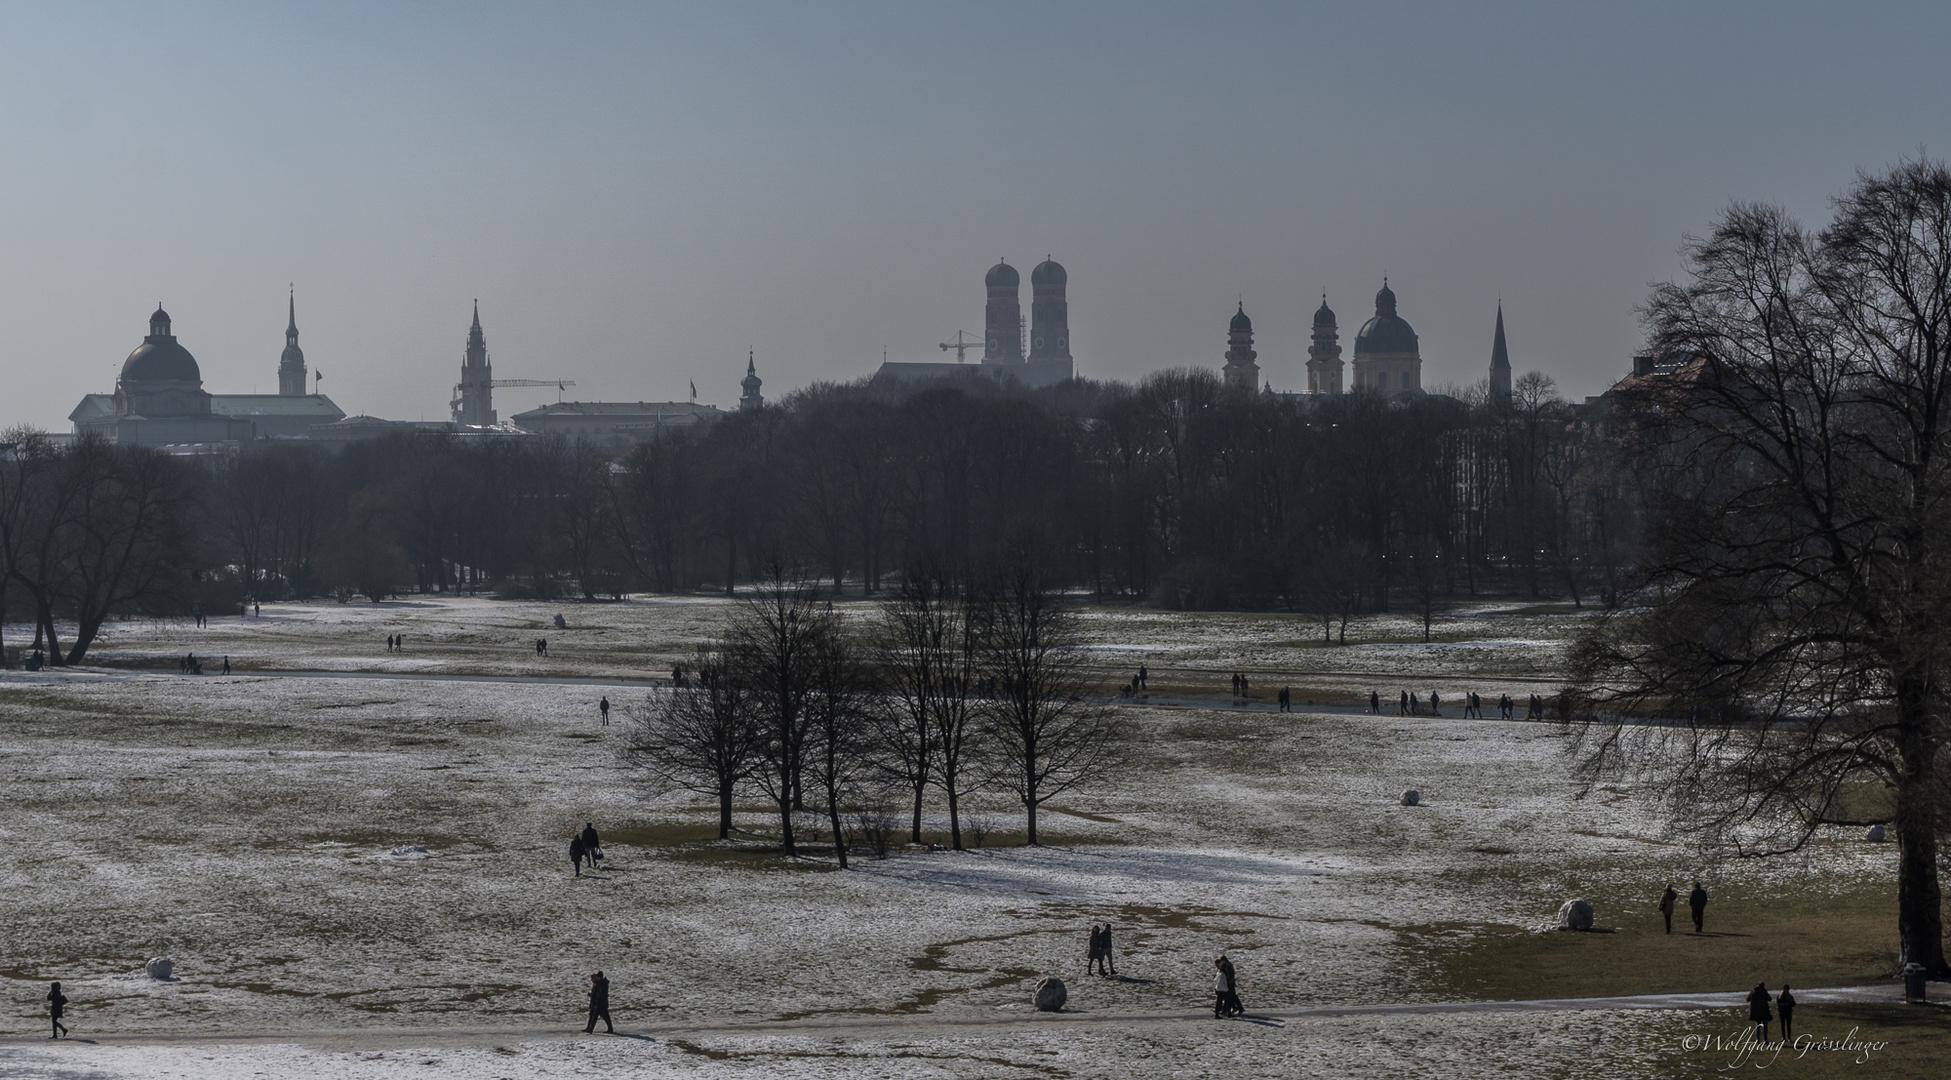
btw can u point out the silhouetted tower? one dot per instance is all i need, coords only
(1500, 362)
(291, 366)
(1002, 323)
(1049, 313)
(1324, 356)
(1240, 371)
(477, 379)
(751, 398)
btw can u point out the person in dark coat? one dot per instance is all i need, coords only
(1697, 903)
(599, 1005)
(56, 1001)
(1222, 988)
(604, 708)
(1758, 1000)
(1094, 952)
(1375, 703)
(1403, 709)
(576, 853)
(1785, 1004)
(592, 845)
(1107, 964)
(1668, 899)
(1142, 676)
(1228, 985)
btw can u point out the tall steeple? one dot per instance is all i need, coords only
(1002, 319)
(291, 365)
(474, 398)
(751, 399)
(1240, 370)
(1324, 355)
(1500, 362)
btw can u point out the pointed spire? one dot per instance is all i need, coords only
(750, 366)
(292, 300)
(477, 313)
(1500, 356)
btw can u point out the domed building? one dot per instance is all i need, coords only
(1388, 357)
(1240, 372)
(1048, 362)
(159, 399)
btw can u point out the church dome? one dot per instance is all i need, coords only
(1002, 274)
(1324, 315)
(159, 358)
(1047, 272)
(1240, 321)
(1386, 332)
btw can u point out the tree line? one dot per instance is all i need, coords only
(961, 682)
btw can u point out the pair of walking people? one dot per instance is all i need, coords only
(586, 845)
(1696, 903)
(1226, 989)
(1758, 1012)
(1098, 953)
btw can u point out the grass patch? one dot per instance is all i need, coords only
(1840, 942)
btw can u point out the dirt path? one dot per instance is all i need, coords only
(923, 1025)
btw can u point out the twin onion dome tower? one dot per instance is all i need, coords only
(1388, 354)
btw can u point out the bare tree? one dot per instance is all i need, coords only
(1050, 736)
(1791, 609)
(698, 737)
(839, 759)
(773, 645)
(933, 632)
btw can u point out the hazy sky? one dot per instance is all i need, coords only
(638, 194)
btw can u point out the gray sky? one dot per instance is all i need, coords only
(638, 194)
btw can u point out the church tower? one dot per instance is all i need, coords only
(1240, 370)
(1002, 322)
(291, 366)
(475, 403)
(1500, 362)
(1049, 313)
(751, 399)
(1324, 356)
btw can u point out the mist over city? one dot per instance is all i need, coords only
(771, 532)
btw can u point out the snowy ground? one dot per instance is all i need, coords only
(246, 828)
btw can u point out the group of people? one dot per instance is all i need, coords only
(1411, 704)
(1696, 902)
(541, 646)
(1240, 684)
(396, 643)
(586, 845)
(1137, 684)
(1758, 1014)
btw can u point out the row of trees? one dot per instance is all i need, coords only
(92, 531)
(965, 682)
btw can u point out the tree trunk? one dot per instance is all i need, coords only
(786, 827)
(1920, 918)
(954, 816)
(1029, 818)
(920, 789)
(725, 811)
(839, 834)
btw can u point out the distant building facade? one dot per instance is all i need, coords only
(159, 399)
(1048, 361)
(1324, 353)
(1388, 356)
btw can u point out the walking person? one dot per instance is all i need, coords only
(1233, 1006)
(1697, 903)
(603, 707)
(599, 1005)
(1222, 990)
(1785, 1005)
(1415, 705)
(1375, 703)
(1668, 899)
(1403, 709)
(1435, 704)
(1286, 699)
(576, 853)
(56, 1001)
(226, 663)
(1236, 684)
(1094, 952)
(592, 845)
(1758, 1000)
(1108, 964)
(1142, 676)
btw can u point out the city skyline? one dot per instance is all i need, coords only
(639, 197)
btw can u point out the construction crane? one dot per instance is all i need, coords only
(960, 346)
(559, 385)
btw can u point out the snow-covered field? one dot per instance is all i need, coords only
(247, 827)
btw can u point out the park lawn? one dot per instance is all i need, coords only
(1813, 941)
